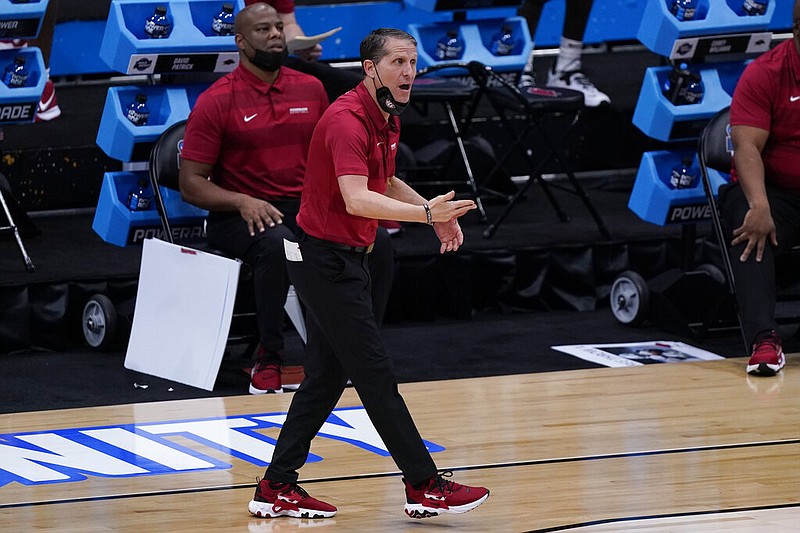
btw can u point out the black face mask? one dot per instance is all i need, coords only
(385, 98)
(267, 61)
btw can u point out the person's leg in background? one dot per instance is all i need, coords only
(531, 10)
(336, 81)
(567, 70)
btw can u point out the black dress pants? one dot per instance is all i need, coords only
(265, 253)
(756, 288)
(344, 342)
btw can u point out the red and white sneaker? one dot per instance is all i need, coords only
(767, 358)
(48, 105)
(437, 496)
(274, 499)
(265, 378)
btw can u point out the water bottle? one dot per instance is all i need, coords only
(222, 24)
(16, 74)
(754, 7)
(140, 198)
(449, 46)
(137, 111)
(502, 42)
(694, 90)
(684, 9)
(676, 84)
(683, 175)
(158, 25)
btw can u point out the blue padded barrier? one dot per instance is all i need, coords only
(660, 119)
(116, 136)
(118, 225)
(477, 39)
(21, 21)
(190, 47)
(659, 29)
(18, 104)
(653, 200)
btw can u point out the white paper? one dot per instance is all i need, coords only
(184, 307)
(292, 250)
(637, 353)
(302, 42)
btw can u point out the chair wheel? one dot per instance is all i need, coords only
(630, 298)
(99, 322)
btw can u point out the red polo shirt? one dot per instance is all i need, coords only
(281, 6)
(352, 137)
(256, 134)
(767, 96)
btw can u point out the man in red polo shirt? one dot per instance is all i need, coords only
(249, 132)
(349, 185)
(761, 209)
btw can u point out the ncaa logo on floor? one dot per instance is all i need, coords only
(127, 450)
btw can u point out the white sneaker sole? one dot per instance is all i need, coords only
(417, 510)
(267, 510)
(765, 369)
(254, 390)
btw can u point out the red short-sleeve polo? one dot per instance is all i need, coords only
(352, 137)
(281, 6)
(256, 134)
(767, 96)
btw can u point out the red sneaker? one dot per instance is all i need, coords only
(767, 358)
(437, 496)
(265, 378)
(48, 105)
(274, 499)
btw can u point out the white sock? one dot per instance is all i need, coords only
(528, 68)
(569, 55)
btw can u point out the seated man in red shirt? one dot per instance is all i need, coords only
(761, 209)
(249, 133)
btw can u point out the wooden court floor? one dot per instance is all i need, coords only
(688, 447)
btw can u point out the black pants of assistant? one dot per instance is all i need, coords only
(756, 288)
(336, 81)
(344, 342)
(265, 254)
(576, 17)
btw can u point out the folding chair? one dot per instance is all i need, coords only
(164, 170)
(715, 152)
(538, 106)
(451, 94)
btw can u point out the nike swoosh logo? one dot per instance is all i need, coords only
(251, 117)
(46, 105)
(794, 98)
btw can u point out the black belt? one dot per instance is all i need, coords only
(336, 245)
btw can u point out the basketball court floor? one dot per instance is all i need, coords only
(688, 447)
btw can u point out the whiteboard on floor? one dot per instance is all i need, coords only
(184, 306)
